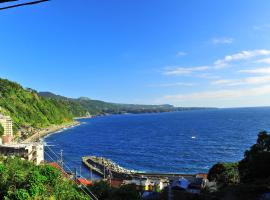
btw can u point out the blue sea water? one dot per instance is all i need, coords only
(182, 142)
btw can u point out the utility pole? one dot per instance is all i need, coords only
(61, 162)
(75, 174)
(104, 175)
(91, 174)
(170, 193)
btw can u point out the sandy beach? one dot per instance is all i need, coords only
(50, 130)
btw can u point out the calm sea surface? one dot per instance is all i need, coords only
(183, 142)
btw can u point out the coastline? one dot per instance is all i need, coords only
(50, 130)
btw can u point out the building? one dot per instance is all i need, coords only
(147, 184)
(33, 152)
(6, 122)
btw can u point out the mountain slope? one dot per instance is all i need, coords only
(29, 109)
(97, 107)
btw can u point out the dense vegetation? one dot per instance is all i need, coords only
(224, 174)
(104, 191)
(23, 180)
(27, 108)
(256, 163)
(96, 107)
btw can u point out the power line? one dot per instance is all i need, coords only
(72, 179)
(65, 165)
(23, 4)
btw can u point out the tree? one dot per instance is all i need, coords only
(1, 130)
(224, 174)
(101, 189)
(126, 192)
(104, 191)
(22, 180)
(256, 163)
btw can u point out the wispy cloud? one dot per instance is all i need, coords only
(265, 60)
(242, 56)
(219, 94)
(177, 84)
(263, 27)
(209, 76)
(245, 81)
(265, 70)
(181, 53)
(223, 40)
(174, 70)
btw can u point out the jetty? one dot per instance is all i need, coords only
(108, 169)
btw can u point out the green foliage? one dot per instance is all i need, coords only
(126, 192)
(256, 163)
(1, 130)
(104, 191)
(224, 174)
(27, 108)
(22, 194)
(21, 180)
(96, 107)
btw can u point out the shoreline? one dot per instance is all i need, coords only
(50, 130)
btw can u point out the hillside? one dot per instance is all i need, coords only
(28, 109)
(97, 107)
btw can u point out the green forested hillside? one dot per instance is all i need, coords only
(27, 108)
(97, 107)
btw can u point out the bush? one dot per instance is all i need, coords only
(224, 174)
(104, 191)
(21, 180)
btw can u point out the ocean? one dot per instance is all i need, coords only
(181, 142)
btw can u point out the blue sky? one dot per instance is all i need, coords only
(181, 52)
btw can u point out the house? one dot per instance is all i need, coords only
(147, 184)
(33, 152)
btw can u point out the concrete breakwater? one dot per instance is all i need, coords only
(108, 169)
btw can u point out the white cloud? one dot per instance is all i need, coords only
(222, 40)
(220, 94)
(263, 27)
(265, 60)
(174, 70)
(208, 76)
(245, 81)
(181, 53)
(265, 70)
(244, 55)
(172, 84)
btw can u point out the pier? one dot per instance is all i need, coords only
(108, 169)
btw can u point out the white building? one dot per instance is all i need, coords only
(33, 152)
(6, 122)
(148, 184)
